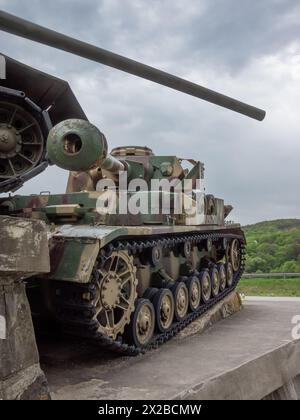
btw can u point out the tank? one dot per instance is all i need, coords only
(129, 279)
(138, 250)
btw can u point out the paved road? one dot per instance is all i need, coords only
(243, 356)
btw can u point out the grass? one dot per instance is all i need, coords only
(270, 287)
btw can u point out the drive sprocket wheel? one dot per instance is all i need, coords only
(235, 254)
(116, 293)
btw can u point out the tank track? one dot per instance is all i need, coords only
(76, 314)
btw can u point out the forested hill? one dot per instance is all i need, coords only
(273, 246)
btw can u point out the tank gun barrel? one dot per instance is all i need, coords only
(26, 29)
(113, 165)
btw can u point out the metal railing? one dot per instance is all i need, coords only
(269, 275)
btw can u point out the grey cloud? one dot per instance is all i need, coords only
(230, 33)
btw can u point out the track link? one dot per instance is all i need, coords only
(76, 314)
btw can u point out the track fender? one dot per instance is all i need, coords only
(74, 250)
(73, 259)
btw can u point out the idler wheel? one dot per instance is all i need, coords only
(164, 306)
(235, 254)
(229, 274)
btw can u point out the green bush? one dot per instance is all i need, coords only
(273, 246)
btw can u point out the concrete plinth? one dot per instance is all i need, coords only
(23, 252)
(249, 355)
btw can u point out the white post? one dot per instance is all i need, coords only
(2, 67)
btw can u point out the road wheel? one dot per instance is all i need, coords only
(194, 288)
(205, 282)
(181, 298)
(222, 276)
(141, 328)
(164, 307)
(215, 281)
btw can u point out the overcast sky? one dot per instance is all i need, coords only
(243, 48)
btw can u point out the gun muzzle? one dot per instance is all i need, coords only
(77, 145)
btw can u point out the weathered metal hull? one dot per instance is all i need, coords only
(75, 294)
(86, 242)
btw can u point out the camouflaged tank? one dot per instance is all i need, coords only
(128, 280)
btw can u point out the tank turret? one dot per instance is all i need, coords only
(78, 146)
